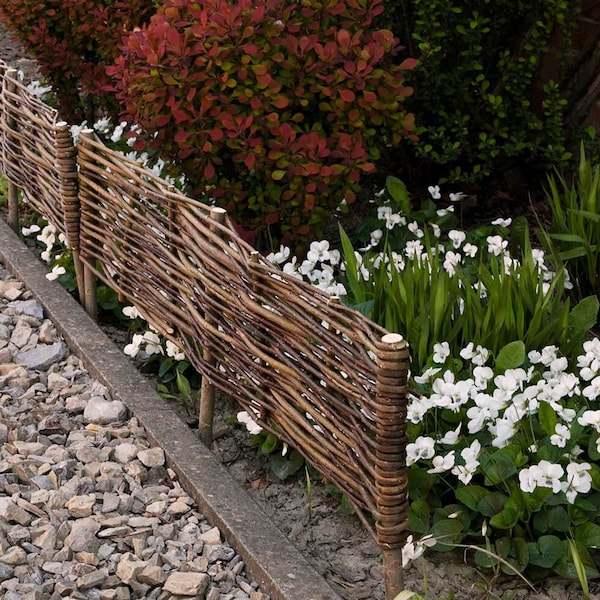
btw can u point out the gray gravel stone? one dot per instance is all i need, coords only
(88, 510)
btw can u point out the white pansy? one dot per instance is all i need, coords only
(56, 272)
(502, 222)
(251, 425)
(174, 351)
(434, 192)
(280, 256)
(422, 448)
(470, 249)
(457, 237)
(561, 435)
(132, 312)
(496, 244)
(441, 464)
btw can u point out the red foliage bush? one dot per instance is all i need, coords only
(275, 107)
(74, 41)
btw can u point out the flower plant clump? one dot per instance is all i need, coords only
(273, 108)
(418, 275)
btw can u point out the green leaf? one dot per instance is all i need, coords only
(471, 495)
(399, 193)
(511, 356)
(506, 519)
(418, 516)
(269, 444)
(548, 418)
(285, 466)
(492, 504)
(546, 552)
(584, 316)
(588, 534)
(448, 533)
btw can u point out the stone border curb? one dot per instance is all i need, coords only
(271, 559)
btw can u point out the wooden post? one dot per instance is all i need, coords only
(390, 462)
(90, 280)
(67, 166)
(207, 389)
(13, 191)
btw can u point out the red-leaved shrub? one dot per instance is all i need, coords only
(74, 41)
(273, 107)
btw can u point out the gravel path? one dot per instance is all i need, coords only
(88, 510)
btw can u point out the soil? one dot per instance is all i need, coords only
(333, 541)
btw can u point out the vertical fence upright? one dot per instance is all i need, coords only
(390, 461)
(207, 390)
(13, 192)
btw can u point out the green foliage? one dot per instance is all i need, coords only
(74, 41)
(500, 302)
(574, 236)
(273, 108)
(482, 107)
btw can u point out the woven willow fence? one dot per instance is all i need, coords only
(319, 375)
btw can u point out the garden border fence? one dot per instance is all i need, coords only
(317, 374)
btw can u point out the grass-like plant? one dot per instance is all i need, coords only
(574, 236)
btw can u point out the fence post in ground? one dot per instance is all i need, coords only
(13, 191)
(90, 280)
(390, 462)
(67, 165)
(207, 389)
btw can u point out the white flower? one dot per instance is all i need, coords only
(56, 272)
(132, 349)
(319, 252)
(470, 250)
(415, 229)
(251, 425)
(457, 237)
(591, 418)
(422, 448)
(496, 244)
(174, 351)
(579, 480)
(502, 222)
(427, 375)
(413, 249)
(545, 474)
(29, 230)
(441, 352)
(434, 192)
(451, 437)
(457, 197)
(441, 464)
(278, 258)
(451, 261)
(561, 436)
(592, 391)
(437, 232)
(132, 312)
(152, 341)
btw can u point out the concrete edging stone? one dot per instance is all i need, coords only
(270, 557)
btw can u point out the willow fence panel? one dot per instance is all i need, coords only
(317, 374)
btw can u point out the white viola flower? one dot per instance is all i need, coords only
(434, 192)
(442, 212)
(415, 229)
(152, 341)
(456, 197)
(118, 132)
(502, 222)
(102, 124)
(549, 475)
(279, 257)
(457, 237)
(174, 351)
(528, 479)
(427, 375)
(538, 257)
(469, 455)
(56, 272)
(441, 464)
(132, 312)
(132, 349)
(423, 448)
(451, 437)
(251, 425)
(549, 354)
(579, 480)
(46, 256)
(561, 436)
(470, 250)
(376, 236)
(336, 289)
(590, 418)
(318, 252)
(436, 229)
(558, 365)
(29, 230)
(441, 352)
(592, 391)
(413, 249)
(478, 356)
(291, 269)
(411, 551)
(502, 430)
(451, 261)
(496, 244)
(417, 408)
(534, 357)
(483, 375)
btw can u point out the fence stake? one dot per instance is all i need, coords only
(13, 190)
(67, 164)
(207, 389)
(390, 467)
(90, 281)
